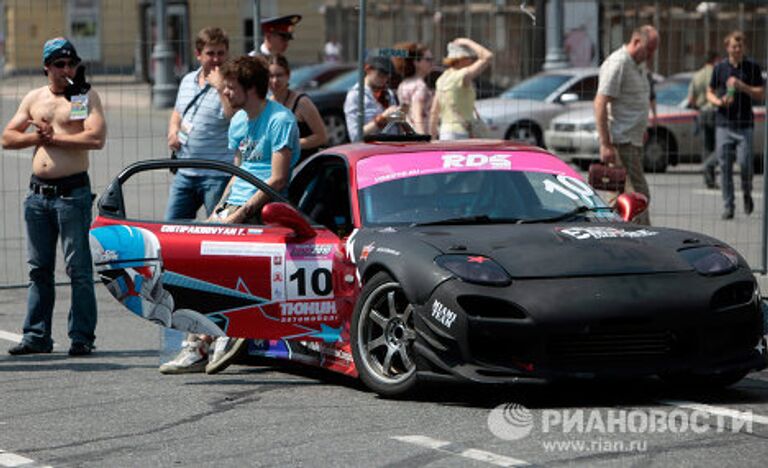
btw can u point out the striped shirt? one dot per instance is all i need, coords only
(208, 138)
(371, 108)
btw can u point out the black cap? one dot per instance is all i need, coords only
(283, 25)
(381, 64)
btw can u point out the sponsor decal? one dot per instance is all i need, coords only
(443, 314)
(311, 250)
(367, 249)
(495, 161)
(108, 256)
(582, 233)
(241, 249)
(328, 351)
(255, 231)
(273, 253)
(203, 230)
(383, 168)
(389, 251)
(294, 312)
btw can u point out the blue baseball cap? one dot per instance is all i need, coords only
(57, 48)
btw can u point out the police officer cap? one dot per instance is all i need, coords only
(282, 25)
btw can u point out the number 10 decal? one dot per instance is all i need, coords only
(570, 187)
(320, 282)
(309, 279)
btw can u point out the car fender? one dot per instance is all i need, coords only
(408, 260)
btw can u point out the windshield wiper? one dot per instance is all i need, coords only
(569, 214)
(474, 219)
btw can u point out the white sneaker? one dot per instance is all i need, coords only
(225, 350)
(192, 358)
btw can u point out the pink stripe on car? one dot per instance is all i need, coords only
(387, 167)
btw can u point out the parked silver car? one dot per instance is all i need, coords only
(524, 111)
(674, 138)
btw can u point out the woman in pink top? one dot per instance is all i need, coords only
(414, 95)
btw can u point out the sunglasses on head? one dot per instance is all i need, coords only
(65, 63)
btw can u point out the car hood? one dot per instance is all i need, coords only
(568, 249)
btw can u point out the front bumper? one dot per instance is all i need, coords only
(573, 145)
(621, 326)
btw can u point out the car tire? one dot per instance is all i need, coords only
(382, 336)
(656, 154)
(686, 380)
(336, 128)
(525, 132)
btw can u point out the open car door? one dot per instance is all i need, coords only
(284, 279)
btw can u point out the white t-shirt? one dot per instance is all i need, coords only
(332, 51)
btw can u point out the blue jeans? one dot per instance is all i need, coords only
(728, 140)
(47, 219)
(188, 193)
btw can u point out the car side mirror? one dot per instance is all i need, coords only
(284, 215)
(631, 205)
(568, 98)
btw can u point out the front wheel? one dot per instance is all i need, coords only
(382, 337)
(525, 132)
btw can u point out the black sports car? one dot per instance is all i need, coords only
(471, 260)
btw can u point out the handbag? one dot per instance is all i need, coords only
(477, 127)
(609, 178)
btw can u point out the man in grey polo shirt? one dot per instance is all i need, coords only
(621, 108)
(198, 129)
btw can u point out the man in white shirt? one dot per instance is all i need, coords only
(621, 108)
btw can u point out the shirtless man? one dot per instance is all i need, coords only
(66, 121)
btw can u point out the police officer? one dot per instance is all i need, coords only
(278, 32)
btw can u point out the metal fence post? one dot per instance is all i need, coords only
(164, 90)
(765, 171)
(360, 70)
(257, 25)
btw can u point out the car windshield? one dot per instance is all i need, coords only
(537, 88)
(343, 82)
(672, 92)
(481, 197)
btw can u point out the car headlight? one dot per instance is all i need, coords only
(476, 269)
(588, 127)
(712, 260)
